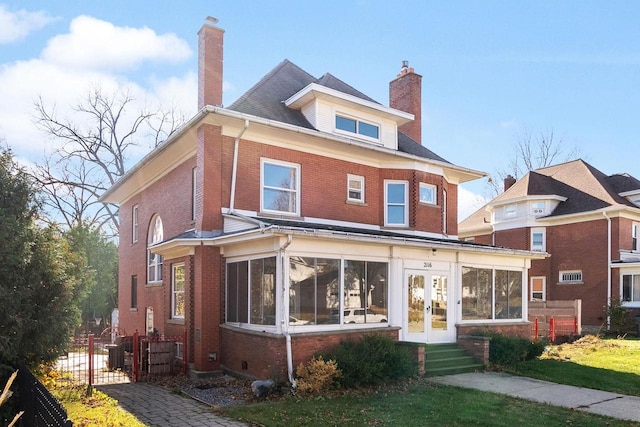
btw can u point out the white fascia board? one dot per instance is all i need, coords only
(630, 193)
(502, 202)
(314, 90)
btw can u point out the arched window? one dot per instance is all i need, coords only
(154, 261)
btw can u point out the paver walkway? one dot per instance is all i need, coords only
(156, 406)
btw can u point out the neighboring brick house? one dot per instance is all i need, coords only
(303, 214)
(588, 223)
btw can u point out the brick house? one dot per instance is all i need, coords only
(588, 223)
(303, 214)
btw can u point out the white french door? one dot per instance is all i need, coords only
(428, 313)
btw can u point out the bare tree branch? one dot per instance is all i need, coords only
(93, 148)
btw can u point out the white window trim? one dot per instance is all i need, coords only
(158, 261)
(360, 179)
(542, 231)
(295, 166)
(357, 119)
(444, 211)
(544, 288)
(435, 194)
(134, 223)
(173, 290)
(632, 303)
(405, 222)
(568, 272)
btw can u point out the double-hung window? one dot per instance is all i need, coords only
(280, 187)
(538, 288)
(154, 261)
(427, 193)
(134, 224)
(538, 239)
(355, 188)
(396, 211)
(177, 291)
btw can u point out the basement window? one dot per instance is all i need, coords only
(571, 277)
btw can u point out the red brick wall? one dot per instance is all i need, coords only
(517, 238)
(170, 198)
(511, 329)
(263, 355)
(580, 246)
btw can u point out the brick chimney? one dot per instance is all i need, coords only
(508, 182)
(405, 94)
(210, 41)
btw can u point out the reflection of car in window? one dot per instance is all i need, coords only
(357, 315)
(294, 321)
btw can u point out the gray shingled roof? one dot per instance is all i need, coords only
(584, 187)
(266, 99)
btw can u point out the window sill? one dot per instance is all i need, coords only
(133, 309)
(356, 203)
(176, 321)
(153, 285)
(569, 283)
(430, 205)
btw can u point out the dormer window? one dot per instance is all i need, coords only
(359, 127)
(537, 208)
(511, 211)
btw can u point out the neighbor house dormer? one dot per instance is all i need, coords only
(329, 110)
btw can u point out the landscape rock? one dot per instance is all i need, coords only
(262, 388)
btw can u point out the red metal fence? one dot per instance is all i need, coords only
(555, 328)
(111, 359)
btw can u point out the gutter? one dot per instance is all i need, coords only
(285, 318)
(608, 266)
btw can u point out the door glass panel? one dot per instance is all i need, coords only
(439, 302)
(416, 303)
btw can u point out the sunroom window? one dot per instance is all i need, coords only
(251, 291)
(491, 294)
(631, 288)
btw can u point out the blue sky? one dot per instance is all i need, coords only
(492, 70)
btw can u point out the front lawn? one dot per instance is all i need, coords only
(592, 362)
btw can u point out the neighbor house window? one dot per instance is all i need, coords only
(572, 276)
(491, 294)
(177, 291)
(251, 291)
(357, 126)
(280, 187)
(427, 193)
(194, 191)
(538, 288)
(537, 208)
(634, 237)
(396, 211)
(511, 211)
(631, 288)
(538, 239)
(355, 188)
(134, 223)
(134, 291)
(154, 261)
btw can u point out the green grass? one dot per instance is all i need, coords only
(612, 365)
(97, 410)
(591, 362)
(416, 403)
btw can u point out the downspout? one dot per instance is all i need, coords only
(608, 266)
(285, 323)
(234, 172)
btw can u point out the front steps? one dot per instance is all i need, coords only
(448, 359)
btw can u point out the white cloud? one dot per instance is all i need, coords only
(74, 63)
(16, 25)
(468, 202)
(95, 44)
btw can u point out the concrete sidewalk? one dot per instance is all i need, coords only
(582, 399)
(156, 406)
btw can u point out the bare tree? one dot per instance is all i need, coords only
(93, 149)
(531, 153)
